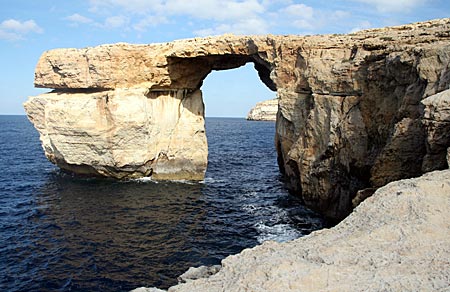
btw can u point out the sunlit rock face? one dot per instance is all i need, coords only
(123, 133)
(264, 111)
(350, 111)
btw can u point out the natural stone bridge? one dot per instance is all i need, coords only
(350, 114)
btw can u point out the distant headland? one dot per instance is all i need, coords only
(264, 111)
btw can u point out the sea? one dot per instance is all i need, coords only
(60, 232)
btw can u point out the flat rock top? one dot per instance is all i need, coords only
(397, 240)
(158, 65)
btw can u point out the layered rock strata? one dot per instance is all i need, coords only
(349, 118)
(264, 111)
(397, 240)
(436, 120)
(123, 133)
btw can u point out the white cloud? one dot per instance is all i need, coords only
(268, 3)
(214, 9)
(9, 36)
(21, 27)
(299, 10)
(236, 16)
(211, 17)
(133, 6)
(201, 9)
(394, 5)
(299, 15)
(77, 18)
(111, 22)
(230, 16)
(13, 30)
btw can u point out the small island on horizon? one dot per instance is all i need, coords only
(264, 111)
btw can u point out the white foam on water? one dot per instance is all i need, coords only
(251, 194)
(184, 181)
(145, 179)
(150, 180)
(211, 180)
(277, 232)
(274, 226)
(250, 208)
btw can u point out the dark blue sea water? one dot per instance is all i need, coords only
(63, 233)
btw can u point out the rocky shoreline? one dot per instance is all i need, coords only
(397, 240)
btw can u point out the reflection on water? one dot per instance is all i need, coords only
(93, 233)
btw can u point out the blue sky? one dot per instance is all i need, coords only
(28, 28)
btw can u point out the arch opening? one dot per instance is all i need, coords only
(190, 72)
(233, 92)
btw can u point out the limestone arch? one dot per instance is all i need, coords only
(188, 73)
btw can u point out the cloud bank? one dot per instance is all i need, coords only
(211, 17)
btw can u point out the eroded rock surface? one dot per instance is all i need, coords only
(264, 111)
(397, 240)
(437, 124)
(123, 133)
(350, 112)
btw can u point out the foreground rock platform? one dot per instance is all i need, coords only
(397, 240)
(350, 114)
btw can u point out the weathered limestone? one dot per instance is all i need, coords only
(198, 273)
(397, 240)
(264, 111)
(350, 115)
(437, 124)
(123, 133)
(350, 112)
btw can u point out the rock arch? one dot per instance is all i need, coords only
(350, 116)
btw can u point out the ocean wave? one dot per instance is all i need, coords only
(211, 180)
(278, 232)
(144, 180)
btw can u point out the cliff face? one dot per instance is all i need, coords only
(123, 133)
(350, 113)
(264, 111)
